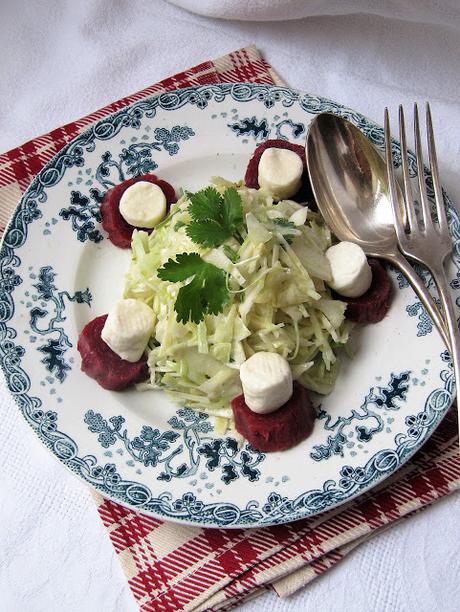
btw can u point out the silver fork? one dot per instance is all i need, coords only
(430, 244)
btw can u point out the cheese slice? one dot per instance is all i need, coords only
(280, 172)
(128, 328)
(143, 204)
(351, 274)
(266, 379)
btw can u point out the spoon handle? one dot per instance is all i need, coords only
(399, 261)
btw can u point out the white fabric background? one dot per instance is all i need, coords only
(62, 59)
(445, 12)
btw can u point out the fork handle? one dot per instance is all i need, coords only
(399, 261)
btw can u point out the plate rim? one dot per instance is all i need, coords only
(194, 519)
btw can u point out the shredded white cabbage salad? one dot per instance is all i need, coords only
(279, 302)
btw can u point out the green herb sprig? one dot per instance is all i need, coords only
(215, 217)
(206, 293)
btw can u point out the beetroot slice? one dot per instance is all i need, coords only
(119, 231)
(374, 304)
(99, 361)
(279, 430)
(251, 178)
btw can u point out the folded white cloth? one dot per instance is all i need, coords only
(442, 12)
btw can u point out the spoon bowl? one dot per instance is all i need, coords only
(349, 179)
(350, 184)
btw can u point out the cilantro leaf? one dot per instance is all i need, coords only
(206, 293)
(217, 292)
(205, 204)
(189, 305)
(232, 211)
(185, 266)
(215, 218)
(207, 233)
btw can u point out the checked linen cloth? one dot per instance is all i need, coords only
(172, 567)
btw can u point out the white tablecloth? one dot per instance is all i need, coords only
(62, 59)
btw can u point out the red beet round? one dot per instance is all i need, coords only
(374, 304)
(279, 430)
(119, 231)
(251, 178)
(99, 361)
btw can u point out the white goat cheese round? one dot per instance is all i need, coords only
(280, 172)
(351, 274)
(143, 204)
(266, 379)
(128, 328)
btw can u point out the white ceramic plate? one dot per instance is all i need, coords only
(58, 271)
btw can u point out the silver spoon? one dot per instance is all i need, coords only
(350, 184)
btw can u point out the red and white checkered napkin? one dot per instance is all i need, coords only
(173, 567)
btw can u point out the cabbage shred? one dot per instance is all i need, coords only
(279, 302)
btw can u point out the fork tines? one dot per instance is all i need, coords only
(412, 221)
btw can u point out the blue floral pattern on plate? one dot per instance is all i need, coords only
(363, 423)
(153, 447)
(46, 323)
